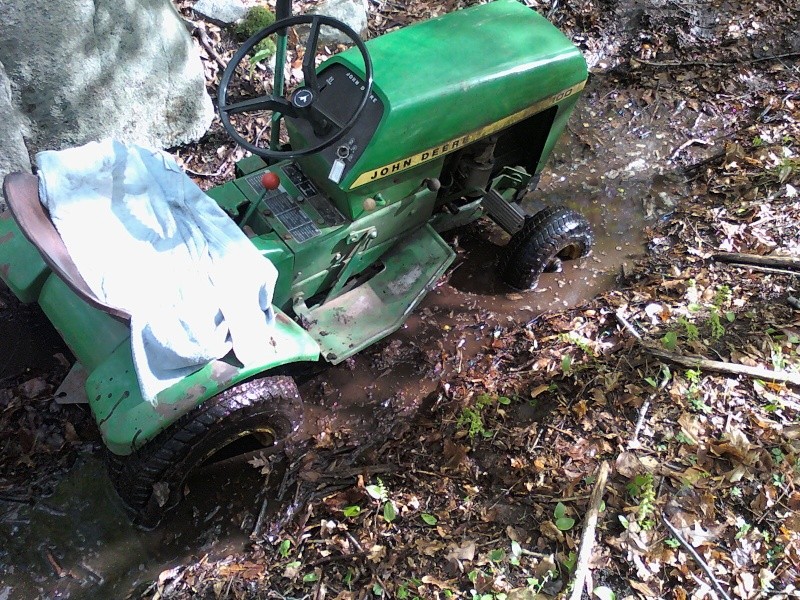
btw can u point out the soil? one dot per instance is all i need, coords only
(456, 458)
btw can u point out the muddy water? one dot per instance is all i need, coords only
(79, 543)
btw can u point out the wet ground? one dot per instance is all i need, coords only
(79, 543)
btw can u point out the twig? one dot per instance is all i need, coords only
(627, 325)
(688, 143)
(696, 556)
(60, 572)
(763, 269)
(785, 262)
(262, 514)
(697, 362)
(199, 31)
(702, 63)
(587, 538)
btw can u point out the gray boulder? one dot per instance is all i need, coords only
(88, 69)
(222, 12)
(350, 12)
(13, 154)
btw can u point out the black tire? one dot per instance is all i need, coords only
(150, 481)
(553, 232)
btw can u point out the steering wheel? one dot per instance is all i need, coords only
(303, 102)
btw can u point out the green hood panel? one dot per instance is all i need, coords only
(127, 421)
(515, 58)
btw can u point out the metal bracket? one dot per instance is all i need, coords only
(360, 240)
(500, 201)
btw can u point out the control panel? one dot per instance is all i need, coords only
(339, 96)
(297, 206)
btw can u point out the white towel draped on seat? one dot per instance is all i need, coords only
(146, 239)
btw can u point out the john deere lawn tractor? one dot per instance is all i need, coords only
(383, 146)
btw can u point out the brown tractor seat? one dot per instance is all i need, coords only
(22, 195)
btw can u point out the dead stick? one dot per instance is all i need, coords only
(697, 362)
(262, 514)
(199, 31)
(785, 262)
(688, 143)
(627, 325)
(763, 269)
(702, 63)
(696, 556)
(587, 539)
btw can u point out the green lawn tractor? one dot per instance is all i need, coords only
(385, 145)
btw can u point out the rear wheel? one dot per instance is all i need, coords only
(552, 234)
(254, 414)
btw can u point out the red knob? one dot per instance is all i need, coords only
(270, 181)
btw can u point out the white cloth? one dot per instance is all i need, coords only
(147, 240)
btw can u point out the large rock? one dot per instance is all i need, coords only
(13, 154)
(222, 12)
(87, 69)
(350, 12)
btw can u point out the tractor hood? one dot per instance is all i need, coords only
(443, 83)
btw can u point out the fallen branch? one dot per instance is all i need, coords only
(703, 63)
(696, 556)
(704, 364)
(587, 538)
(793, 302)
(199, 32)
(761, 269)
(784, 262)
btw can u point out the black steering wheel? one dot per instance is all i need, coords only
(303, 102)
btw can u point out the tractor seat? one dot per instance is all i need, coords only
(22, 195)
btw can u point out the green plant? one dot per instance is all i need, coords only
(786, 168)
(471, 418)
(692, 333)
(283, 549)
(693, 394)
(670, 340)
(378, 490)
(563, 522)
(777, 455)
(570, 561)
(642, 489)
(672, 543)
(429, 519)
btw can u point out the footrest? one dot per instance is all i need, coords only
(376, 308)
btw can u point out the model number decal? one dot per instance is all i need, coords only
(459, 142)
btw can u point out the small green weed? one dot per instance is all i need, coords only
(693, 393)
(563, 522)
(471, 418)
(692, 333)
(642, 489)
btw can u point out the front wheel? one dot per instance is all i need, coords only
(150, 481)
(552, 234)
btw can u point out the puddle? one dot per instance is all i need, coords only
(608, 171)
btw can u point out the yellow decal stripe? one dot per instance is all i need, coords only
(460, 142)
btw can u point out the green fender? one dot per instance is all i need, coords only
(127, 421)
